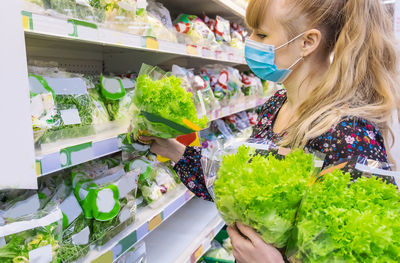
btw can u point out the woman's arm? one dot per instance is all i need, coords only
(188, 165)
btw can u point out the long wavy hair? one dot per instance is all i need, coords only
(362, 79)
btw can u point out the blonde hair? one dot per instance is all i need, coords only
(362, 78)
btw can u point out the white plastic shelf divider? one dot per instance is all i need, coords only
(186, 236)
(147, 219)
(91, 33)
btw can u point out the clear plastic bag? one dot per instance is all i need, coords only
(31, 238)
(162, 107)
(73, 116)
(259, 186)
(347, 217)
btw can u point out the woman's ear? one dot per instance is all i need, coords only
(311, 41)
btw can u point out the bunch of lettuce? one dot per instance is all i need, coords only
(263, 192)
(344, 221)
(165, 98)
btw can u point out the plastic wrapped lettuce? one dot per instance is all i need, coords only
(341, 220)
(31, 238)
(163, 107)
(263, 192)
(100, 114)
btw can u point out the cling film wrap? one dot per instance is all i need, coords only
(260, 184)
(31, 238)
(163, 108)
(351, 214)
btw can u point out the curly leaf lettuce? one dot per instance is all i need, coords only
(167, 99)
(263, 192)
(344, 221)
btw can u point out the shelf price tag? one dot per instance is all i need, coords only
(151, 42)
(155, 222)
(38, 167)
(107, 257)
(197, 254)
(86, 28)
(76, 154)
(27, 21)
(191, 50)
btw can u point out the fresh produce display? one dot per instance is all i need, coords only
(163, 107)
(32, 238)
(341, 220)
(263, 192)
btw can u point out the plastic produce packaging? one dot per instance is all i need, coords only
(108, 200)
(222, 30)
(163, 108)
(197, 31)
(31, 238)
(248, 180)
(341, 220)
(73, 107)
(117, 94)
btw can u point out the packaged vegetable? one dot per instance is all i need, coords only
(341, 220)
(263, 192)
(100, 114)
(162, 107)
(222, 30)
(196, 30)
(31, 238)
(74, 112)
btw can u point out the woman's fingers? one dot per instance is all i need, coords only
(249, 232)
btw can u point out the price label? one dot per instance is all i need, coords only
(27, 21)
(38, 167)
(154, 222)
(191, 50)
(226, 111)
(197, 254)
(107, 257)
(151, 42)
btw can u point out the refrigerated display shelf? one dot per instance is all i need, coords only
(68, 153)
(188, 233)
(63, 29)
(147, 219)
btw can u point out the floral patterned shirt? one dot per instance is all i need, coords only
(352, 136)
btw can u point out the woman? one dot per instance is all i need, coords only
(340, 107)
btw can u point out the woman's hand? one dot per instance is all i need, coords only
(248, 246)
(169, 148)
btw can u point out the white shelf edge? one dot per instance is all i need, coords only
(147, 219)
(57, 28)
(235, 8)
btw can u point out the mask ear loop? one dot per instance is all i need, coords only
(290, 41)
(297, 61)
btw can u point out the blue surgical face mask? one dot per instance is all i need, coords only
(261, 60)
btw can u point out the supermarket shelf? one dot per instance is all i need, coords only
(59, 34)
(67, 153)
(53, 157)
(147, 219)
(234, 108)
(188, 234)
(228, 9)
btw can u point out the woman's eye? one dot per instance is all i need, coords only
(261, 36)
